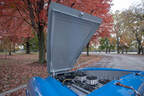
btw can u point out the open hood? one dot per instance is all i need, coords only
(69, 31)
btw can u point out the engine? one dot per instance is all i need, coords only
(80, 82)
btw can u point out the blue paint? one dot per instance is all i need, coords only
(111, 89)
(51, 87)
(47, 87)
(106, 69)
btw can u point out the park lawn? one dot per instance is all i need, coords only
(2, 53)
(17, 69)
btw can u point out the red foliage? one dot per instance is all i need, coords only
(12, 24)
(18, 17)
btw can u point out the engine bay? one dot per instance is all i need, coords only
(80, 82)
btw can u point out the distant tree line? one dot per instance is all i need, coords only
(128, 31)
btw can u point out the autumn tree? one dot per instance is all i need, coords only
(107, 44)
(35, 13)
(106, 27)
(117, 28)
(134, 21)
(33, 44)
(126, 41)
(104, 43)
(123, 36)
(12, 26)
(129, 28)
(112, 43)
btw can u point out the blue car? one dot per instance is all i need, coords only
(69, 31)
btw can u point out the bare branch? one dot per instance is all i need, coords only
(31, 14)
(23, 16)
(72, 5)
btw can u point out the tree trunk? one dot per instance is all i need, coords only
(139, 48)
(87, 49)
(109, 50)
(122, 51)
(142, 50)
(14, 50)
(27, 46)
(10, 52)
(40, 29)
(106, 50)
(139, 51)
(139, 43)
(126, 50)
(41, 43)
(118, 46)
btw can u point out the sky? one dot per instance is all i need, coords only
(123, 4)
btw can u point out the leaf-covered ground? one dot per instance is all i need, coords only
(17, 69)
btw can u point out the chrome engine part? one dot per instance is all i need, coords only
(81, 76)
(92, 80)
(80, 82)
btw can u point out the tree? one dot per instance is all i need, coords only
(112, 43)
(33, 44)
(27, 45)
(134, 21)
(129, 28)
(104, 44)
(117, 28)
(107, 44)
(88, 48)
(35, 12)
(12, 26)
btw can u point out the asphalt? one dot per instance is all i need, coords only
(132, 62)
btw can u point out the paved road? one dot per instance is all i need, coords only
(133, 62)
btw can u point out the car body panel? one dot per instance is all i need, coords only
(52, 87)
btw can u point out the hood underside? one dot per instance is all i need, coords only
(69, 31)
